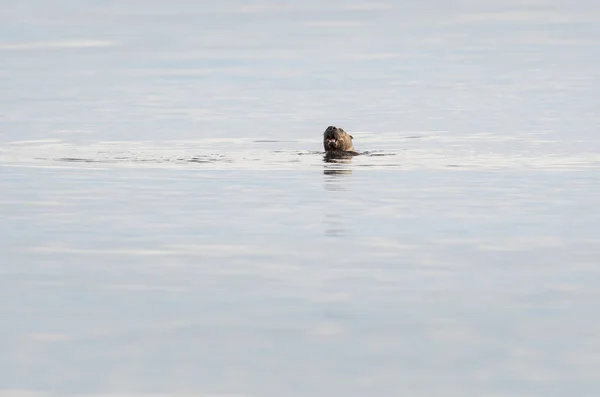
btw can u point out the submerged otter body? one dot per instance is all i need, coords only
(337, 140)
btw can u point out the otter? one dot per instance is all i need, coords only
(337, 140)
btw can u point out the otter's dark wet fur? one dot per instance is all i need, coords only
(338, 142)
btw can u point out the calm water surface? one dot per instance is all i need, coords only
(169, 227)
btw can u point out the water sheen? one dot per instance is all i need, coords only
(169, 225)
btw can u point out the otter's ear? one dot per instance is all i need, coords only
(351, 137)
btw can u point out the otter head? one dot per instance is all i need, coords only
(336, 139)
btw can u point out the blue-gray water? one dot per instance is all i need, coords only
(169, 227)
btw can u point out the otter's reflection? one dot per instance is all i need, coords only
(333, 171)
(336, 168)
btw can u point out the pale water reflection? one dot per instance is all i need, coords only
(169, 225)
